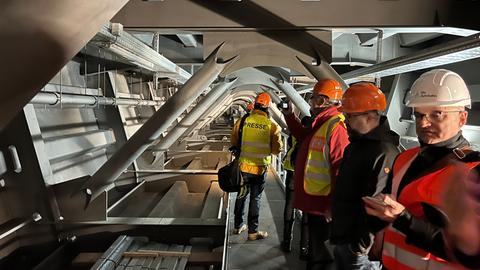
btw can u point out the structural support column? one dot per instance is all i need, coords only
(217, 111)
(293, 95)
(203, 118)
(276, 99)
(155, 126)
(174, 134)
(323, 70)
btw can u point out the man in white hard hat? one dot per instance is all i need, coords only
(434, 201)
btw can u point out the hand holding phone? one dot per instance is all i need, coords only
(376, 200)
(283, 105)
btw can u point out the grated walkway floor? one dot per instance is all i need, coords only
(266, 253)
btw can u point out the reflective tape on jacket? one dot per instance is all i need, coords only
(317, 180)
(287, 161)
(256, 145)
(397, 254)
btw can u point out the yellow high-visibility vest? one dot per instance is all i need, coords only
(256, 147)
(287, 162)
(317, 180)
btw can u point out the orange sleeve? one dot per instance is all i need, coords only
(275, 139)
(234, 140)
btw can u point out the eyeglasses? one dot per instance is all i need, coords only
(432, 117)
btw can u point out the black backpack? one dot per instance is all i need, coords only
(229, 176)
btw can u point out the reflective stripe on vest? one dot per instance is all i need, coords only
(397, 254)
(317, 179)
(256, 147)
(287, 162)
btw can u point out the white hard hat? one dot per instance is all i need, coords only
(439, 87)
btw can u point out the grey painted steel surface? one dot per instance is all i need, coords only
(395, 107)
(294, 96)
(188, 40)
(50, 98)
(323, 71)
(156, 125)
(174, 134)
(58, 36)
(201, 120)
(276, 99)
(458, 50)
(138, 53)
(16, 225)
(307, 15)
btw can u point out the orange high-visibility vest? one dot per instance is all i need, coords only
(397, 254)
(317, 179)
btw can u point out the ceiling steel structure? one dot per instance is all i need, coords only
(116, 120)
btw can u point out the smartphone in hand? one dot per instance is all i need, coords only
(375, 200)
(283, 105)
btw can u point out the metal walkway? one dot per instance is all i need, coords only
(264, 254)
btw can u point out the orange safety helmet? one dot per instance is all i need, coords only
(328, 87)
(250, 106)
(363, 97)
(263, 99)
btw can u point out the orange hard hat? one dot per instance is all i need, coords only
(328, 87)
(263, 99)
(363, 97)
(250, 106)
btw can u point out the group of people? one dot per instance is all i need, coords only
(378, 206)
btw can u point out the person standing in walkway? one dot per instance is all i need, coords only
(366, 164)
(317, 162)
(290, 213)
(260, 138)
(433, 198)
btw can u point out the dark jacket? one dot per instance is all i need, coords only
(364, 171)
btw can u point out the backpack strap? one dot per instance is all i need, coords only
(240, 132)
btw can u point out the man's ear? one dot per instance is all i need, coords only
(463, 118)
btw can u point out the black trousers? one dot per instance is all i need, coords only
(319, 232)
(289, 214)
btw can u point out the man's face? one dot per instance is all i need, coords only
(358, 121)
(438, 124)
(318, 103)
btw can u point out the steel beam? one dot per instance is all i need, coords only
(14, 225)
(454, 51)
(294, 96)
(276, 99)
(174, 134)
(154, 127)
(322, 70)
(188, 40)
(137, 52)
(55, 98)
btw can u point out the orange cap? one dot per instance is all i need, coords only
(328, 87)
(363, 97)
(250, 106)
(263, 99)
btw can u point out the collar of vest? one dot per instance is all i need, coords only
(255, 111)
